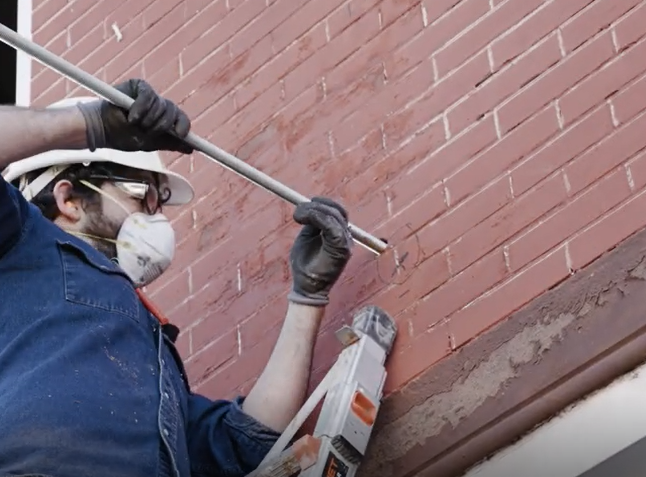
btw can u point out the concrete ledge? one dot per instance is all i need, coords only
(568, 342)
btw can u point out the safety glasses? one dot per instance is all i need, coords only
(147, 192)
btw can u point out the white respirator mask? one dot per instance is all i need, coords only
(145, 243)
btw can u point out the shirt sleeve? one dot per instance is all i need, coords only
(13, 215)
(223, 440)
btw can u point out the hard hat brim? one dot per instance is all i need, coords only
(181, 190)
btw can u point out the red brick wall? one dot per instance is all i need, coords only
(497, 144)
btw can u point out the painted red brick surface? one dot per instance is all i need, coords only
(497, 144)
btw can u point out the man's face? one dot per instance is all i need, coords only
(104, 217)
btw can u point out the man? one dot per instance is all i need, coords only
(90, 382)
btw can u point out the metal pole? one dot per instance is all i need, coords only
(214, 153)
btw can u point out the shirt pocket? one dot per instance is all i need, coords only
(94, 281)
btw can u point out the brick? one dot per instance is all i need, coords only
(45, 32)
(46, 10)
(611, 152)
(175, 291)
(337, 50)
(448, 91)
(209, 360)
(563, 148)
(158, 10)
(45, 78)
(193, 7)
(603, 83)
(636, 170)
(435, 269)
(54, 93)
(630, 101)
(392, 35)
(163, 78)
(534, 27)
(179, 316)
(299, 23)
(261, 25)
(414, 216)
(218, 35)
(392, 10)
(555, 82)
(598, 16)
(379, 175)
(565, 222)
(507, 222)
(213, 321)
(224, 79)
(341, 18)
(312, 123)
(430, 346)
(608, 231)
(183, 38)
(183, 344)
(229, 251)
(154, 29)
(432, 103)
(363, 279)
(229, 378)
(458, 292)
(83, 47)
(503, 84)
(503, 155)
(383, 175)
(233, 4)
(195, 81)
(630, 28)
(356, 161)
(435, 9)
(498, 304)
(443, 28)
(460, 219)
(96, 61)
(491, 25)
(128, 17)
(245, 121)
(280, 64)
(93, 18)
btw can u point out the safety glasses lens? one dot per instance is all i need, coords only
(147, 193)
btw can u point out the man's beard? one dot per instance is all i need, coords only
(99, 225)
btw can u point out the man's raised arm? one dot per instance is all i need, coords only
(26, 131)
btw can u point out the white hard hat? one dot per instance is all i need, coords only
(58, 160)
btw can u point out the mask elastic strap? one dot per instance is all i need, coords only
(95, 237)
(105, 194)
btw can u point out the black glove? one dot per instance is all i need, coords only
(321, 251)
(146, 126)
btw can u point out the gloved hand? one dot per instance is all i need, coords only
(146, 126)
(320, 252)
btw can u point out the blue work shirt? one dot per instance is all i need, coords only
(90, 383)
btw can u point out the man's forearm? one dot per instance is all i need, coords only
(25, 131)
(280, 391)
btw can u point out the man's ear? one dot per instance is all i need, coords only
(68, 207)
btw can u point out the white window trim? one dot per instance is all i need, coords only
(23, 60)
(581, 437)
